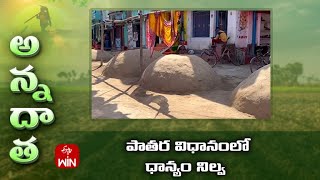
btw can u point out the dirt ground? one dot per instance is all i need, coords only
(123, 99)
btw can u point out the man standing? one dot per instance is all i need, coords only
(44, 18)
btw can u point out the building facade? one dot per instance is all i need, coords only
(132, 29)
(243, 27)
(246, 29)
(122, 28)
(96, 19)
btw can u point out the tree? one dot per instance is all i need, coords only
(74, 75)
(287, 75)
(277, 74)
(62, 75)
(294, 70)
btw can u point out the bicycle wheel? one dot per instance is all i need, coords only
(255, 64)
(213, 60)
(232, 59)
(235, 61)
(204, 52)
(267, 60)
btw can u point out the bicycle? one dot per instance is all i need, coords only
(260, 60)
(214, 57)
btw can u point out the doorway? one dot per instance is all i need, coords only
(136, 34)
(222, 20)
(201, 23)
(107, 40)
(118, 37)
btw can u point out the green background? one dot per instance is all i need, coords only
(284, 147)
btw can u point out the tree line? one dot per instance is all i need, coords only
(292, 75)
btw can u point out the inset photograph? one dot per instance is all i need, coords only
(172, 64)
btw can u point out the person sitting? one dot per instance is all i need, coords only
(221, 37)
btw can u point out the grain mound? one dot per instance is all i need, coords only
(179, 74)
(127, 63)
(98, 55)
(252, 95)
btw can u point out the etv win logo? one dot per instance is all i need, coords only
(67, 156)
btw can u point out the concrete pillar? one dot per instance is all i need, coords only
(232, 26)
(189, 26)
(250, 27)
(125, 35)
(254, 32)
(212, 23)
(258, 29)
(102, 36)
(144, 33)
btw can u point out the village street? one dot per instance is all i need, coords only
(180, 64)
(120, 99)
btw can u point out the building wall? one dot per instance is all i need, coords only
(136, 13)
(232, 26)
(125, 35)
(199, 43)
(239, 30)
(263, 31)
(144, 34)
(116, 15)
(244, 29)
(105, 15)
(96, 14)
(185, 24)
(93, 15)
(258, 28)
(250, 27)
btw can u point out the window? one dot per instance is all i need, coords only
(201, 23)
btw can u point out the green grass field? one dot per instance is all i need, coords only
(293, 109)
(297, 89)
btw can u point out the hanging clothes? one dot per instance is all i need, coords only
(185, 25)
(150, 36)
(165, 28)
